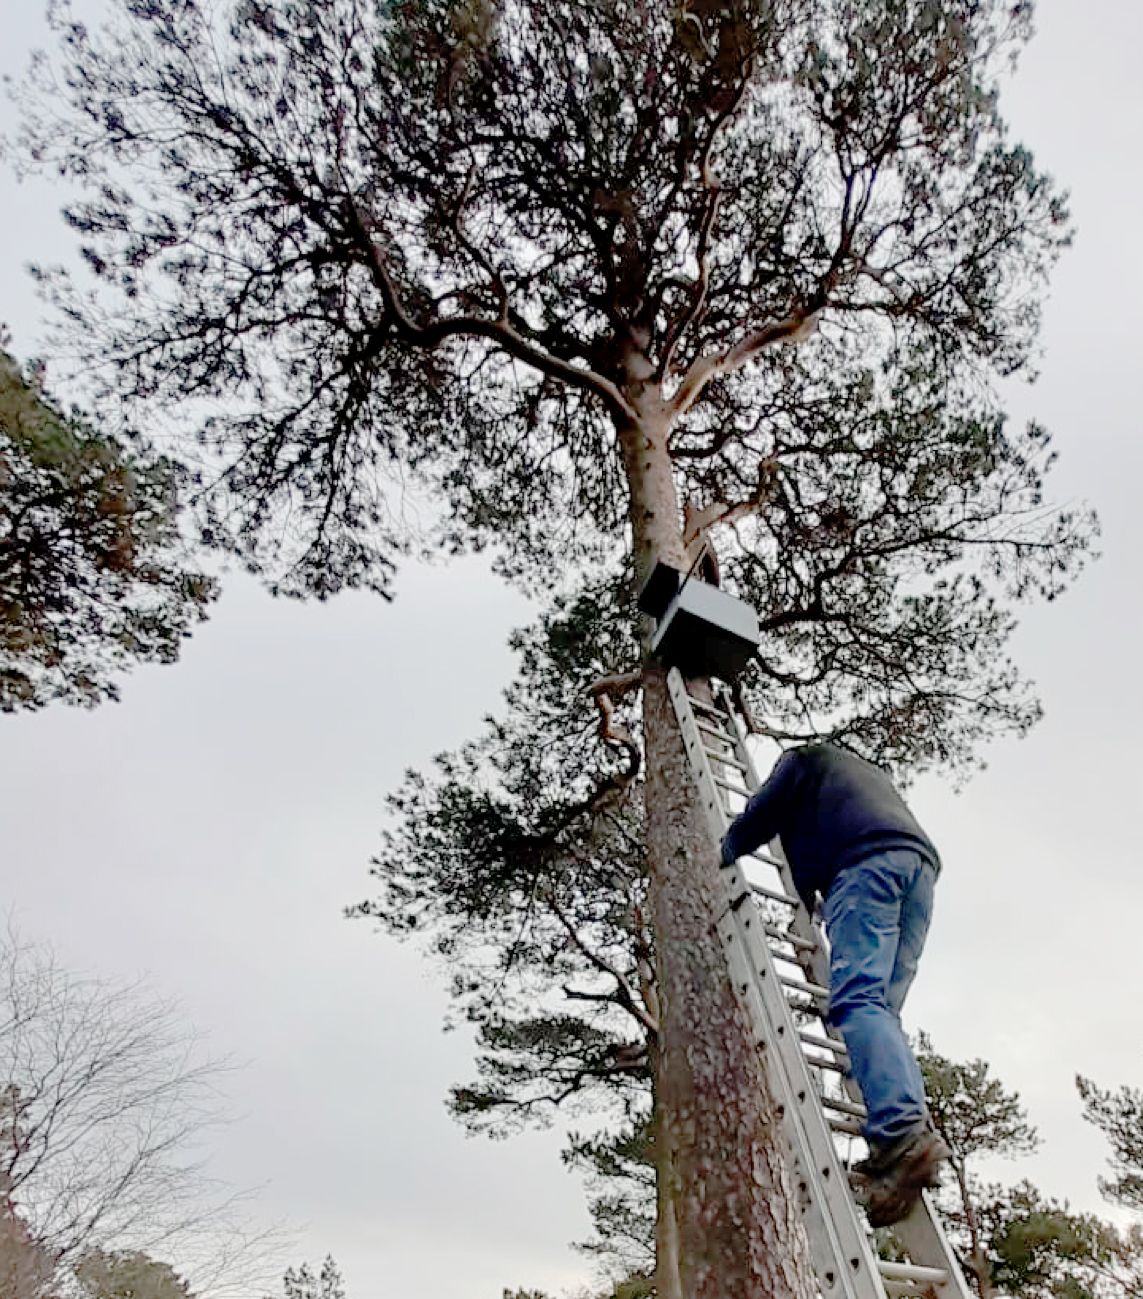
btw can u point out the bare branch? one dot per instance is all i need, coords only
(103, 1094)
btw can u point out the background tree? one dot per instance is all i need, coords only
(128, 1274)
(1119, 1116)
(620, 1170)
(26, 1270)
(977, 1117)
(536, 262)
(1012, 1240)
(1045, 1251)
(103, 1093)
(92, 575)
(302, 1283)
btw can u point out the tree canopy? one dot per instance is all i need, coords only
(522, 859)
(404, 270)
(304, 1283)
(128, 1274)
(93, 577)
(1119, 1116)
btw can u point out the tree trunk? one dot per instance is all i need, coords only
(979, 1264)
(729, 1227)
(981, 1268)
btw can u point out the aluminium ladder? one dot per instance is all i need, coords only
(779, 965)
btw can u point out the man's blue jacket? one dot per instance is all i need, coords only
(831, 809)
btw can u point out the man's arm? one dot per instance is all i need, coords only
(760, 819)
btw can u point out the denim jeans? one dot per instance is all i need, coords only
(877, 914)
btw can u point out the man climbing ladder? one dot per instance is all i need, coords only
(849, 837)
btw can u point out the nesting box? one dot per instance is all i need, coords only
(700, 629)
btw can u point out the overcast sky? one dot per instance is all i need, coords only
(208, 830)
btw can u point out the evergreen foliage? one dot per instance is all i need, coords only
(92, 575)
(443, 251)
(1119, 1116)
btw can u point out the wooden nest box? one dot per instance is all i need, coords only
(699, 629)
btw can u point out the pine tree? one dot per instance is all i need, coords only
(92, 578)
(303, 1283)
(599, 281)
(620, 1169)
(1011, 1240)
(1119, 1116)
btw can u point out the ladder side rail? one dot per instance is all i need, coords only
(923, 1237)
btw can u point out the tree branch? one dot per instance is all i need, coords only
(794, 328)
(699, 521)
(498, 331)
(602, 691)
(713, 186)
(645, 962)
(623, 995)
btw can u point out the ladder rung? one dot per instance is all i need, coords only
(910, 1278)
(839, 1106)
(901, 1289)
(727, 759)
(772, 895)
(719, 733)
(701, 706)
(764, 859)
(826, 1043)
(911, 1272)
(834, 1066)
(803, 985)
(845, 1126)
(798, 944)
(732, 788)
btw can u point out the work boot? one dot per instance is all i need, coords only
(883, 1155)
(897, 1175)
